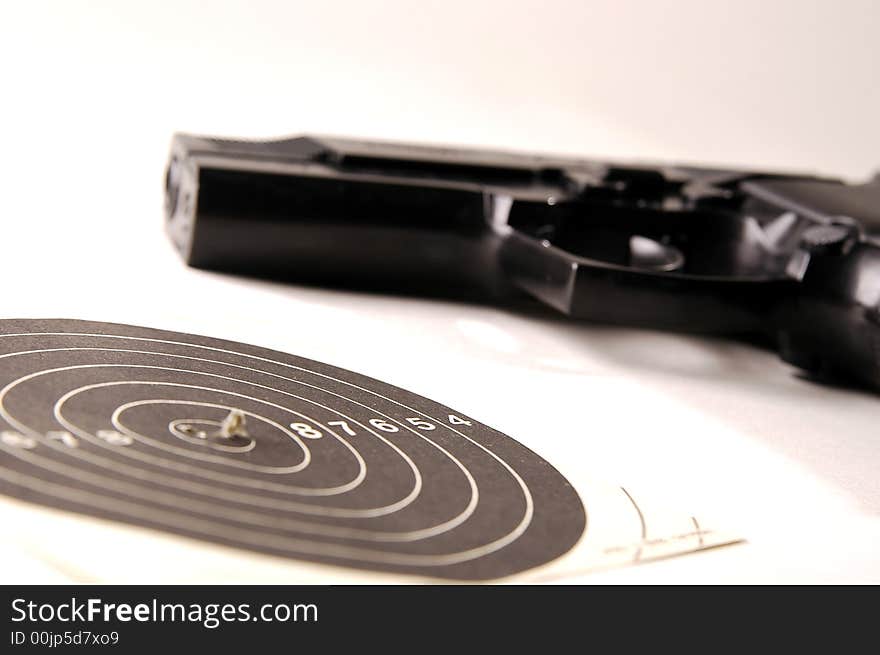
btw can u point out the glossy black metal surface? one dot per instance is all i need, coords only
(795, 258)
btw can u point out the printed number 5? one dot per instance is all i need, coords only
(421, 424)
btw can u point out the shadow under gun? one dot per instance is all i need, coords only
(793, 258)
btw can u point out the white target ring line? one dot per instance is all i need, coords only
(242, 516)
(175, 499)
(212, 492)
(177, 428)
(205, 457)
(172, 500)
(275, 541)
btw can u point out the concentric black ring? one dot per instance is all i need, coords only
(335, 467)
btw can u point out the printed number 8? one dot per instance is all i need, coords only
(305, 430)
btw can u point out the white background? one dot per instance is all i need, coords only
(90, 93)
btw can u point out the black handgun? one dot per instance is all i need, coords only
(794, 259)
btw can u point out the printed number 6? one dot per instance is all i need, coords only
(385, 426)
